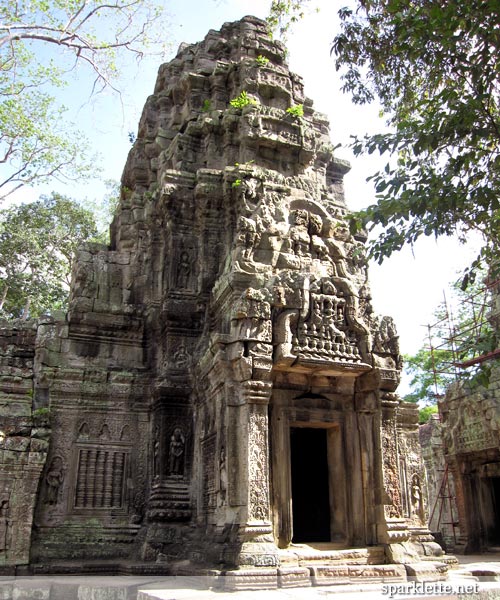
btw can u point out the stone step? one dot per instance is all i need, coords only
(486, 571)
(327, 554)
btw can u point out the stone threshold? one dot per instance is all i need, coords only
(316, 573)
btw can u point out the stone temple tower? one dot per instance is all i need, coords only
(220, 392)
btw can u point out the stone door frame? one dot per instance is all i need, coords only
(477, 476)
(286, 413)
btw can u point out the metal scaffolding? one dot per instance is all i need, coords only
(460, 341)
(446, 506)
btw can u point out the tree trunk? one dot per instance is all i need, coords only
(26, 309)
(4, 297)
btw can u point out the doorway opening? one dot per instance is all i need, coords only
(310, 485)
(494, 533)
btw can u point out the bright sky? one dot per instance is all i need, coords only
(408, 286)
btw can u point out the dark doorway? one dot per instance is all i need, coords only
(310, 498)
(494, 533)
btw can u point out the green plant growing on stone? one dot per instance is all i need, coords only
(236, 183)
(41, 412)
(261, 61)
(296, 111)
(206, 106)
(242, 100)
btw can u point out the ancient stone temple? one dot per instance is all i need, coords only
(220, 393)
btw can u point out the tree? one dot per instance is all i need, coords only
(283, 13)
(424, 414)
(434, 66)
(458, 340)
(431, 374)
(37, 244)
(41, 43)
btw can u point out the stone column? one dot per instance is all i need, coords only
(394, 530)
(248, 480)
(356, 491)
(368, 427)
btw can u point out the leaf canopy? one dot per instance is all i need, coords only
(434, 66)
(41, 45)
(37, 244)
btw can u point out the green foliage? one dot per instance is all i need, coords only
(41, 412)
(424, 414)
(207, 105)
(297, 111)
(31, 150)
(37, 244)
(261, 60)
(242, 100)
(435, 68)
(42, 44)
(103, 210)
(284, 13)
(457, 338)
(430, 374)
(236, 183)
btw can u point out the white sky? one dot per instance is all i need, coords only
(407, 286)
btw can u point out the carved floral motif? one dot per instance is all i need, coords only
(258, 466)
(391, 475)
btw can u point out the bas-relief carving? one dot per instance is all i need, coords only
(386, 345)
(54, 479)
(326, 327)
(96, 477)
(176, 453)
(176, 355)
(417, 501)
(469, 433)
(208, 450)
(157, 453)
(251, 316)
(258, 466)
(249, 236)
(393, 507)
(327, 314)
(101, 464)
(222, 476)
(475, 427)
(181, 358)
(4, 523)
(183, 272)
